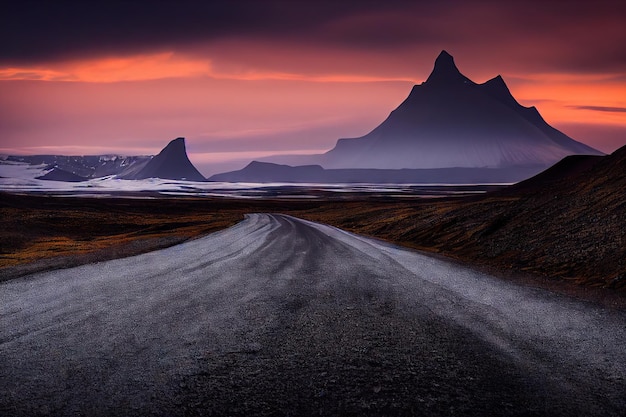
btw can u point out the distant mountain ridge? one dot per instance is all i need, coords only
(85, 166)
(266, 172)
(171, 163)
(58, 174)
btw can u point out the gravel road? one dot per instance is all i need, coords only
(280, 316)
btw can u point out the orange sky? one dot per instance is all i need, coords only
(253, 88)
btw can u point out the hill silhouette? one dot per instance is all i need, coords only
(171, 163)
(264, 172)
(58, 174)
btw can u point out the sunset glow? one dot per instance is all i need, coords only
(566, 98)
(238, 86)
(165, 65)
(112, 69)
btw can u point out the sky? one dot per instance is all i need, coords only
(243, 79)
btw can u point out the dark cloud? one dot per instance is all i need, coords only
(601, 108)
(578, 35)
(49, 30)
(40, 30)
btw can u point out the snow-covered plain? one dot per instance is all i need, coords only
(18, 177)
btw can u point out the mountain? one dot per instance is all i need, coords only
(451, 121)
(265, 172)
(171, 163)
(89, 166)
(58, 174)
(257, 171)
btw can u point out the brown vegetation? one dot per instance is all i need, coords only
(532, 233)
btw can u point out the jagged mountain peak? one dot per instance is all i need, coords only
(497, 81)
(497, 88)
(177, 144)
(445, 71)
(445, 60)
(450, 121)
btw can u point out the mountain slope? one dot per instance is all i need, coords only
(569, 168)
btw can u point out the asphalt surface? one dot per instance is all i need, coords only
(280, 316)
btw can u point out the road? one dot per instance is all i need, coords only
(280, 316)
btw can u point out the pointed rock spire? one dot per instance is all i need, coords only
(176, 145)
(445, 71)
(171, 163)
(445, 59)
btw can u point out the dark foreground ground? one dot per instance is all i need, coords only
(282, 317)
